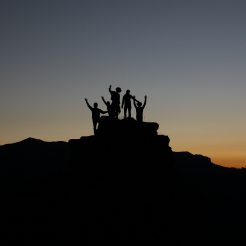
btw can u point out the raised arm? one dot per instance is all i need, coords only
(110, 89)
(104, 100)
(89, 106)
(145, 100)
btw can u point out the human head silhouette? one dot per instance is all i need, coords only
(95, 105)
(127, 91)
(139, 104)
(118, 89)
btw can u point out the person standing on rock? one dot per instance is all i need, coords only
(109, 108)
(115, 97)
(139, 109)
(127, 104)
(96, 112)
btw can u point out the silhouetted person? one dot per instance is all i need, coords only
(115, 97)
(139, 109)
(95, 114)
(109, 108)
(127, 104)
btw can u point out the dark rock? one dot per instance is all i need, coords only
(126, 127)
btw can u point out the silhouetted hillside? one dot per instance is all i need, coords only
(123, 186)
(33, 157)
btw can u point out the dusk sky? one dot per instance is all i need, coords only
(188, 57)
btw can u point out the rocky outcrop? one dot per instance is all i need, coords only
(122, 173)
(125, 144)
(126, 127)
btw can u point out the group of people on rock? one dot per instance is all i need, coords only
(114, 107)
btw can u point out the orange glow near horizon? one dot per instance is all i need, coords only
(227, 155)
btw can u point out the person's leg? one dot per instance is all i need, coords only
(95, 126)
(125, 111)
(129, 112)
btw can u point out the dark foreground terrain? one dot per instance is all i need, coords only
(124, 186)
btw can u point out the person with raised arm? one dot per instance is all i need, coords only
(109, 108)
(139, 109)
(96, 113)
(115, 97)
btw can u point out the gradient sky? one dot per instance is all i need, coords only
(189, 57)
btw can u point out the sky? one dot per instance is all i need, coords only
(188, 57)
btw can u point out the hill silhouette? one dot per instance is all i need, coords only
(123, 186)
